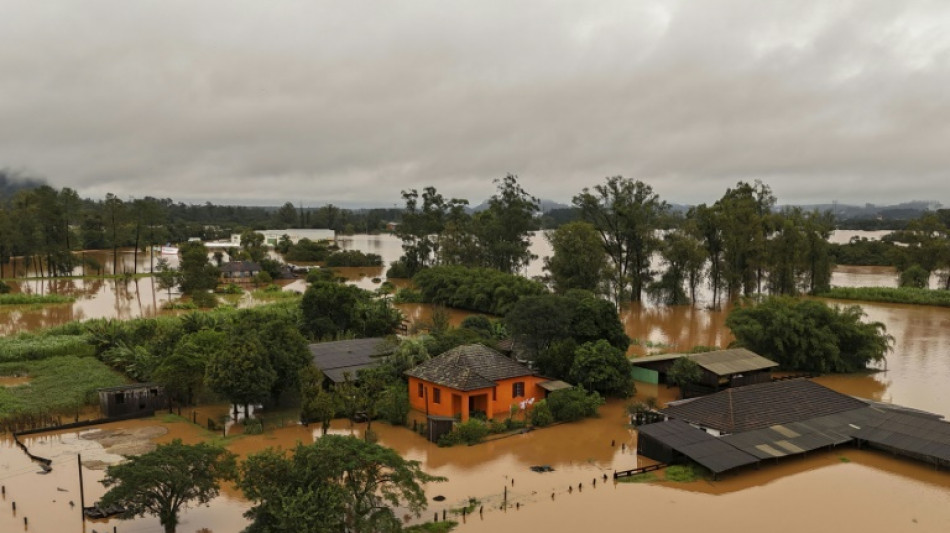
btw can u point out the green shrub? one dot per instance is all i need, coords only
(204, 300)
(541, 415)
(469, 432)
(232, 288)
(353, 258)
(398, 270)
(573, 404)
(408, 296)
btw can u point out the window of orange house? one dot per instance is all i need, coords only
(436, 395)
(421, 390)
(517, 389)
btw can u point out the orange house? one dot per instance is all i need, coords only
(472, 378)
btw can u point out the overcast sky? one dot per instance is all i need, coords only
(262, 102)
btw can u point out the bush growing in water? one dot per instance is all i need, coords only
(469, 432)
(353, 258)
(569, 405)
(541, 415)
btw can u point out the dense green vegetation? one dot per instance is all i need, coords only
(566, 405)
(43, 345)
(353, 258)
(330, 310)
(60, 384)
(34, 299)
(335, 484)
(808, 335)
(576, 337)
(305, 250)
(900, 295)
(865, 252)
(482, 290)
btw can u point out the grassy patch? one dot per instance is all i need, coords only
(468, 508)
(59, 385)
(31, 299)
(684, 473)
(645, 477)
(433, 527)
(844, 459)
(902, 295)
(33, 346)
(270, 294)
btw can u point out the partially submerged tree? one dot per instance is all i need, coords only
(165, 481)
(809, 335)
(335, 484)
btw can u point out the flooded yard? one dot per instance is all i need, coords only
(833, 490)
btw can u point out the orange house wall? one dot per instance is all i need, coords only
(499, 406)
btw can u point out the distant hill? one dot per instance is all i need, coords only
(11, 182)
(902, 211)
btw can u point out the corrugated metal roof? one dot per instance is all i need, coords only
(909, 433)
(555, 385)
(719, 362)
(696, 444)
(335, 358)
(762, 405)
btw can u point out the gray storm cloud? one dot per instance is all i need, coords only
(350, 102)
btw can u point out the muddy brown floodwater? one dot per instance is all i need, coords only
(832, 491)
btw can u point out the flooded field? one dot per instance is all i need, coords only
(836, 490)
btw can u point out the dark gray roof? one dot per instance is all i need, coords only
(469, 367)
(909, 433)
(800, 437)
(336, 357)
(719, 362)
(763, 405)
(131, 386)
(696, 444)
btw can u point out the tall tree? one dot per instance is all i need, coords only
(241, 372)
(627, 215)
(503, 230)
(114, 218)
(165, 481)
(196, 273)
(744, 217)
(579, 261)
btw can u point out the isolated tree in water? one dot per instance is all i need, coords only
(168, 479)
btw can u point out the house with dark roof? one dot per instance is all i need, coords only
(239, 271)
(721, 369)
(472, 378)
(744, 425)
(339, 360)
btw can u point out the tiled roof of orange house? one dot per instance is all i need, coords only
(469, 367)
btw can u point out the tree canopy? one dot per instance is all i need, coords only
(809, 335)
(335, 484)
(168, 479)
